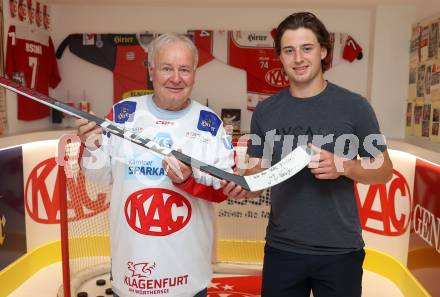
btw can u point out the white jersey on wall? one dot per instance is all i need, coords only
(161, 236)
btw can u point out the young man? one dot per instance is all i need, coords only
(161, 215)
(313, 239)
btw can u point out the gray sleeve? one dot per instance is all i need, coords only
(371, 140)
(255, 145)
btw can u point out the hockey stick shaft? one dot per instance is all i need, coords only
(115, 130)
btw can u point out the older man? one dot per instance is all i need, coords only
(160, 210)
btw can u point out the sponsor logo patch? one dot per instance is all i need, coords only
(139, 279)
(208, 122)
(165, 123)
(145, 168)
(197, 136)
(149, 165)
(164, 139)
(141, 269)
(124, 112)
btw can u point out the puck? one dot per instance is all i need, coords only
(109, 291)
(100, 282)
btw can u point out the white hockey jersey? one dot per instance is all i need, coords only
(161, 234)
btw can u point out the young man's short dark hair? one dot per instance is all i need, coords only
(309, 21)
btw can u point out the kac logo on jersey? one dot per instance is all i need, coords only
(276, 78)
(124, 112)
(209, 122)
(157, 212)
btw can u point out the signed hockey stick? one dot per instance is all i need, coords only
(286, 168)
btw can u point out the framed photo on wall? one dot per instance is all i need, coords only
(232, 117)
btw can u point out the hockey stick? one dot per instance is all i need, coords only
(286, 168)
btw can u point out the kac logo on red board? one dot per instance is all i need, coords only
(388, 206)
(157, 212)
(43, 193)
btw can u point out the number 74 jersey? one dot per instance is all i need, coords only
(30, 61)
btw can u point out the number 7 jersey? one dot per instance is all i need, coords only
(30, 61)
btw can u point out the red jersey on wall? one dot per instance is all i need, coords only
(30, 60)
(203, 40)
(130, 74)
(253, 52)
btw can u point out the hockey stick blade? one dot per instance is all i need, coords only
(290, 165)
(284, 169)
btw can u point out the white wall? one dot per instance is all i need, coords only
(223, 85)
(389, 79)
(426, 10)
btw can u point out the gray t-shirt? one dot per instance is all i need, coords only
(308, 215)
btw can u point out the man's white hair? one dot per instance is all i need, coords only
(170, 38)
